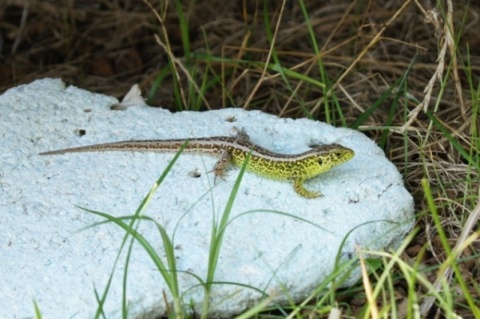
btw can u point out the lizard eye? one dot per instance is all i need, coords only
(320, 161)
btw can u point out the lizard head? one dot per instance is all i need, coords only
(323, 158)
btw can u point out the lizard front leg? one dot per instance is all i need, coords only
(302, 191)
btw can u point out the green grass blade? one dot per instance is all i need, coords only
(472, 159)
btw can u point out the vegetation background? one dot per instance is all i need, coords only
(406, 73)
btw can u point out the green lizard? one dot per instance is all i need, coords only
(234, 150)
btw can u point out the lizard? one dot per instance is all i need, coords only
(234, 150)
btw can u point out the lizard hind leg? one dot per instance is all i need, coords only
(222, 165)
(241, 134)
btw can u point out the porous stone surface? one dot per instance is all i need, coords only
(48, 254)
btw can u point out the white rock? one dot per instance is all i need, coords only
(44, 256)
